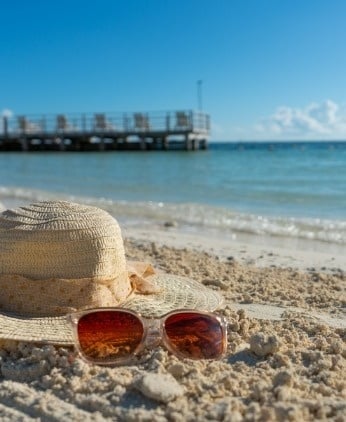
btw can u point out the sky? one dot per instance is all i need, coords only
(270, 69)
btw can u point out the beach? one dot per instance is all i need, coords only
(286, 354)
(162, 156)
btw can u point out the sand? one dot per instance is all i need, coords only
(286, 358)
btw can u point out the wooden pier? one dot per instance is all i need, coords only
(182, 129)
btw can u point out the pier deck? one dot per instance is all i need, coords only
(183, 129)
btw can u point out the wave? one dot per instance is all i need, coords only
(193, 216)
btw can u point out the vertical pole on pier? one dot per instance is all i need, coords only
(191, 121)
(199, 94)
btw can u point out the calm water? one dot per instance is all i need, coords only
(296, 190)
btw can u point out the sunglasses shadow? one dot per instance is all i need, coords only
(245, 356)
(134, 398)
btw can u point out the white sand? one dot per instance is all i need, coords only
(290, 366)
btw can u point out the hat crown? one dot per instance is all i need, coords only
(58, 239)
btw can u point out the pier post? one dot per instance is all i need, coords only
(5, 126)
(76, 145)
(165, 143)
(83, 123)
(143, 144)
(188, 145)
(203, 144)
(126, 123)
(24, 143)
(61, 143)
(43, 124)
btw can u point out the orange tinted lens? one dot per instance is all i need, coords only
(106, 336)
(195, 335)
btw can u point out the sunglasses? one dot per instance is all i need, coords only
(115, 335)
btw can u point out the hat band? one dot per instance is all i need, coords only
(57, 296)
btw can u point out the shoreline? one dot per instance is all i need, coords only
(262, 250)
(249, 249)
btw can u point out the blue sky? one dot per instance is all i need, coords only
(271, 69)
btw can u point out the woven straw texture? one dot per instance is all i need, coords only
(58, 257)
(60, 240)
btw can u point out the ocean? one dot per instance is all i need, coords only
(278, 190)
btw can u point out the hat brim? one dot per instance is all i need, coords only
(175, 293)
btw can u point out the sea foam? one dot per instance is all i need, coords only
(198, 217)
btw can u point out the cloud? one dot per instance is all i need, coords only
(317, 120)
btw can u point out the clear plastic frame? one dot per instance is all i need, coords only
(109, 336)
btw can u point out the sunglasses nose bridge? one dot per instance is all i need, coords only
(153, 333)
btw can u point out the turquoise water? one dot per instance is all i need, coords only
(277, 189)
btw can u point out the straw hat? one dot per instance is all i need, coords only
(57, 257)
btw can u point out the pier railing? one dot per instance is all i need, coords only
(167, 122)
